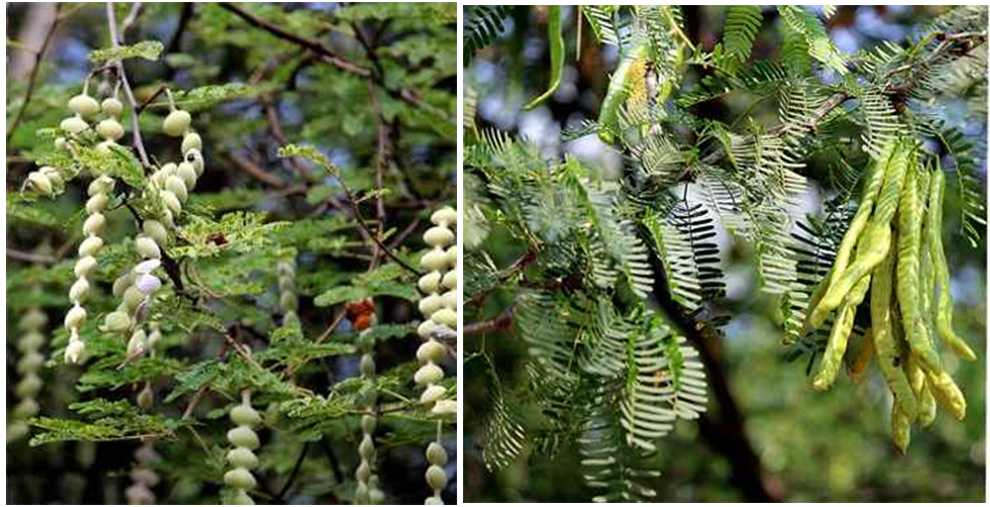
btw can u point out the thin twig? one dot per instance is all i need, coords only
(503, 321)
(33, 77)
(30, 257)
(257, 172)
(280, 496)
(115, 42)
(516, 267)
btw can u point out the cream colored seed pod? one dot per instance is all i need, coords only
(176, 123)
(40, 183)
(74, 125)
(240, 457)
(110, 129)
(84, 105)
(191, 141)
(112, 107)
(31, 325)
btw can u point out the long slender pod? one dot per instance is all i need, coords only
(875, 241)
(871, 189)
(839, 336)
(943, 311)
(888, 355)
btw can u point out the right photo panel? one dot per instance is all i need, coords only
(724, 253)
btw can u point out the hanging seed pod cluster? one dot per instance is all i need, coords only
(143, 477)
(241, 458)
(368, 490)
(892, 252)
(30, 359)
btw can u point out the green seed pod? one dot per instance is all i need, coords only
(436, 454)
(240, 478)
(445, 216)
(361, 494)
(240, 457)
(79, 291)
(245, 415)
(446, 317)
(133, 297)
(367, 396)
(138, 344)
(191, 141)
(156, 231)
(30, 341)
(84, 105)
(433, 501)
(94, 224)
(450, 280)
(33, 319)
(29, 386)
(430, 304)
(367, 365)
(430, 282)
(117, 322)
(187, 173)
(90, 246)
(436, 477)
(146, 398)
(175, 185)
(176, 123)
(242, 498)
(75, 317)
(363, 472)
(428, 374)
(243, 436)
(368, 423)
(367, 448)
(40, 183)
(434, 260)
(110, 129)
(73, 125)
(430, 351)
(289, 302)
(438, 236)
(432, 393)
(30, 361)
(27, 408)
(112, 107)
(97, 203)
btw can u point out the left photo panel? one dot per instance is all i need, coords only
(232, 253)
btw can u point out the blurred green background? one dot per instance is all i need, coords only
(810, 446)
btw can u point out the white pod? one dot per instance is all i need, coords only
(445, 408)
(85, 266)
(438, 236)
(430, 282)
(240, 478)
(138, 344)
(172, 202)
(451, 257)
(97, 203)
(450, 280)
(436, 477)
(436, 454)
(121, 284)
(432, 393)
(75, 317)
(430, 351)
(243, 436)
(40, 183)
(156, 231)
(147, 283)
(101, 185)
(175, 185)
(147, 247)
(116, 322)
(245, 415)
(90, 246)
(450, 300)
(428, 374)
(191, 141)
(426, 328)
(176, 123)
(73, 125)
(79, 291)
(240, 457)
(446, 317)
(446, 216)
(430, 304)
(110, 129)
(84, 105)
(112, 107)
(434, 260)
(133, 297)
(145, 267)
(187, 173)
(94, 224)
(74, 351)
(195, 158)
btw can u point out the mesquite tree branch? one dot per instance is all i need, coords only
(115, 42)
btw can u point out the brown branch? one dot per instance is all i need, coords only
(257, 172)
(503, 321)
(520, 264)
(332, 58)
(30, 257)
(115, 41)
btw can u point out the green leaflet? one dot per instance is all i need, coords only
(149, 50)
(556, 37)
(742, 24)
